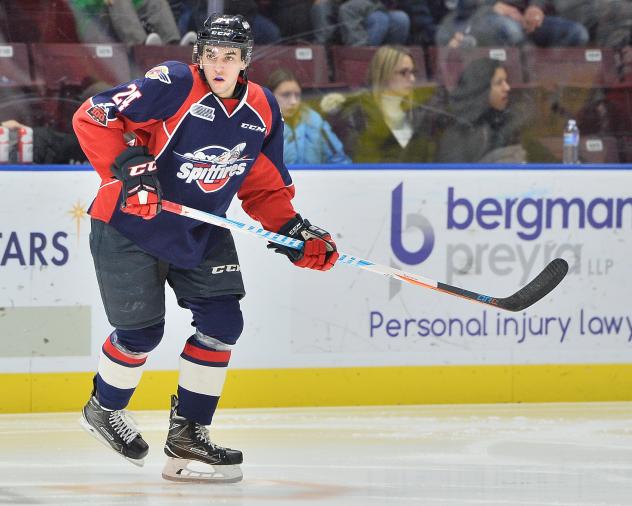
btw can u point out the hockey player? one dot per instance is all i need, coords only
(196, 134)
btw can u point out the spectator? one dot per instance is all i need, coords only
(4, 24)
(609, 22)
(132, 21)
(324, 16)
(293, 19)
(389, 122)
(369, 23)
(264, 30)
(425, 16)
(189, 14)
(486, 127)
(307, 137)
(507, 23)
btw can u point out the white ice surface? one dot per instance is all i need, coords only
(518, 455)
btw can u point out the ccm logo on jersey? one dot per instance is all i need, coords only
(220, 269)
(253, 127)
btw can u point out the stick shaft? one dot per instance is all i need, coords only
(290, 242)
(531, 293)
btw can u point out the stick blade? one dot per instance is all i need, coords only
(538, 287)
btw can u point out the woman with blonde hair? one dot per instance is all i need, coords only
(388, 122)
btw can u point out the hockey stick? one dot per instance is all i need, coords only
(528, 295)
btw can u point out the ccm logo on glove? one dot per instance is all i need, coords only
(143, 168)
(319, 251)
(141, 194)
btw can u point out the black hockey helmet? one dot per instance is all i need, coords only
(225, 30)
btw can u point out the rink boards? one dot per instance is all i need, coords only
(347, 336)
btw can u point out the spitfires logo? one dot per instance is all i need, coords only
(161, 72)
(213, 166)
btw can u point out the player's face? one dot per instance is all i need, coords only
(221, 67)
(499, 90)
(403, 78)
(288, 94)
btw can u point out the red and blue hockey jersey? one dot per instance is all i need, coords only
(204, 152)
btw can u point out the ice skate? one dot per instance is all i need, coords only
(114, 430)
(193, 458)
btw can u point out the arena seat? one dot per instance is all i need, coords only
(40, 21)
(307, 62)
(14, 66)
(351, 64)
(447, 64)
(625, 149)
(64, 65)
(571, 67)
(146, 57)
(625, 60)
(620, 97)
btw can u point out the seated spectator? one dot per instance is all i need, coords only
(389, 122)
(264, 30)
(369, 23)
(486, 127)
(4, 24)
(424, 17)
(609, 22)
(293, 19)
(133, 22)
(507, 23)
(189, 14)
(307, 137)
(324, 16)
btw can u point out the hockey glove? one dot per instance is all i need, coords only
(319, 251)
(136, 169)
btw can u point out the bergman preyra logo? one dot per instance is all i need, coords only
(212, 167)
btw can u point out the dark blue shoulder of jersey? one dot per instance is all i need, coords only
(156, 96)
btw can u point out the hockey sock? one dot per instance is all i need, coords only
(119, 373)
(203, 368)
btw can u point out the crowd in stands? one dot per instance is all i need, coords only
(399, 99)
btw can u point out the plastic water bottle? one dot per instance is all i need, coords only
(571, 142)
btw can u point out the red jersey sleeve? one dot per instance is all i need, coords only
(267, 191)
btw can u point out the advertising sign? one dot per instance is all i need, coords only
(489, 231)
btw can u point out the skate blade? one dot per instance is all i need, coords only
(192, 471)
(97, 435)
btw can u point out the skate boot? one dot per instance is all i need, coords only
(192, 457)
(114, 430)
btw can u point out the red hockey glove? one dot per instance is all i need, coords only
(319, 251)
(136, 169)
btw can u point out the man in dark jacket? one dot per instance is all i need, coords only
(508, 23)
(609, 22)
